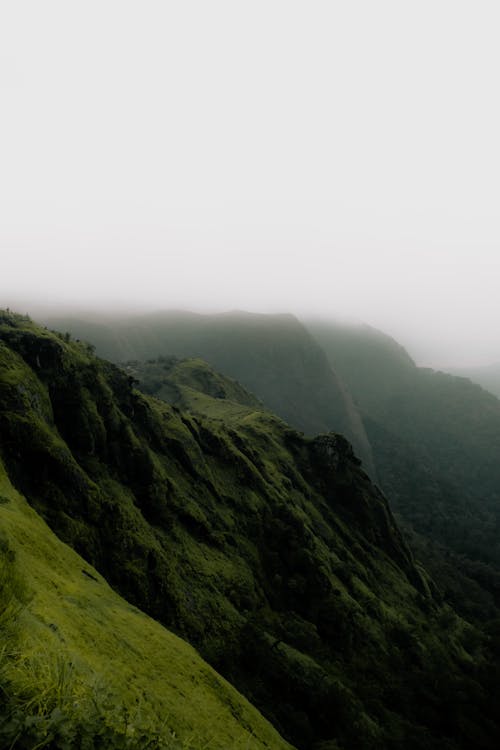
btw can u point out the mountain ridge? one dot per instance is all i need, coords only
(273, 356)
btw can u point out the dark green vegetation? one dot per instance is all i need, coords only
(181, 382)
(79, 666)
(436, 444)
(273, 356)
(272, 553)
(433, 439)
(372, 363)
(82, 668)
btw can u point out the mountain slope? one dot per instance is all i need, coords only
(181, 381)
(435, 438)
(472, 587)
(271, 553)
(273, 356)
(86, 667)
(373, 364)
(488, 377)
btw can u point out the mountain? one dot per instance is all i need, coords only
(272, 553)
(435, 439)
(273, 356)
(488, 377)
(472, 587)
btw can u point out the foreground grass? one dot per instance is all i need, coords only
(80, 667)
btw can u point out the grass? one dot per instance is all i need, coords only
(80, 656)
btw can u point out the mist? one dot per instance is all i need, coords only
(327, 159)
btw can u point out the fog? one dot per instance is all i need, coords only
(326, 158)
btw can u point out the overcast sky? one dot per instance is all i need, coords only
(315, 157)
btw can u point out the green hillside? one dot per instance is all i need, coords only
(182, 382)
(471, 586)
(273, 554)
(80, 667)
(273, 356)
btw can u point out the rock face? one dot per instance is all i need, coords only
(270, 552)
(332, 458)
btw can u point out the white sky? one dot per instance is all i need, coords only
(325, 157)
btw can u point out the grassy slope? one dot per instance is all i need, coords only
(77, 640)
(271, 355)
(167, 378)
(272, 553)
